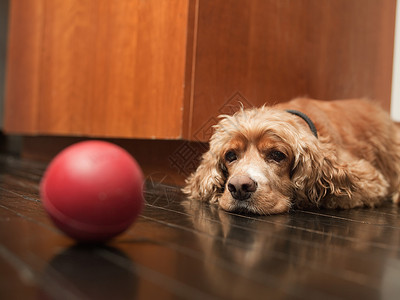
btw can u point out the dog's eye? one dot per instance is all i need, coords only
(276, 155)
(230, 156)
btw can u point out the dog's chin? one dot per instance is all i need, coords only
(254, 205)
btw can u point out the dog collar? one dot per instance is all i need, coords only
(305, 118)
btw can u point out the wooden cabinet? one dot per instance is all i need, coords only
(166, 68)
(97, 68)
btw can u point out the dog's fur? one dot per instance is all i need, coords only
(266, 160)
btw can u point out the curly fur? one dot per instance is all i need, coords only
(354, 162)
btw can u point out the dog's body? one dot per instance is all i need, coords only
(265, 160)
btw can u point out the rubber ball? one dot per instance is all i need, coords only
(93, 191)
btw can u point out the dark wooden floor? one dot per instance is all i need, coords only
(183, 250)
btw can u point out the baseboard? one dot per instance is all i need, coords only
(161, 160)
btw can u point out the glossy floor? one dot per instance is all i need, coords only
(184, 250)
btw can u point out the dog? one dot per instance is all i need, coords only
(301, 154)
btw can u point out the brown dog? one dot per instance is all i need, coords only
(336, 154)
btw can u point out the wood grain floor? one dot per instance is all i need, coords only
(185, 250)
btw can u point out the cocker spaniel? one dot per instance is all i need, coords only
(304, 153)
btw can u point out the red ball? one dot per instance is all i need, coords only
(93, 191)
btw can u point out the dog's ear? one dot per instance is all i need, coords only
(208, 181)
(316, 175)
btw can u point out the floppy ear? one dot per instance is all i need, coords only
(208, 181)
(317, 174)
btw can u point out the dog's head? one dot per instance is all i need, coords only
(260, 160)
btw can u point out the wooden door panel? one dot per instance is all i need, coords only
(100, 68)
(66, 71)
(23, 64)
(142, 68)
(270, 51)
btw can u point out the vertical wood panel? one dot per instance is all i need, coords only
(4, 8)
(98, 68)
(140, 65)
(23, 65)
(190, 67)
(272, 51)
(66, 74)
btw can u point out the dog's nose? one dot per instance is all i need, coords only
(241, 187)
